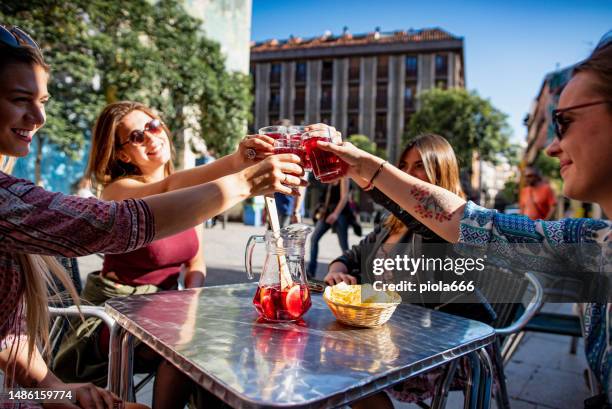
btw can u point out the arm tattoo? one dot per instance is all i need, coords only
(429, 206)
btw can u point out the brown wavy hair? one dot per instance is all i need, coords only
(38, 270)
(104, 166)
(440, 164)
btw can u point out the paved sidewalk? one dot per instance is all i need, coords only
(541, 375)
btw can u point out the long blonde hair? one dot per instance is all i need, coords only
(38, 271)
(104, 166)
(440, 165)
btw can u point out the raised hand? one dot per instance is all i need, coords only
(335, 135)
(252, 149)
(278, 173)
(359, 162)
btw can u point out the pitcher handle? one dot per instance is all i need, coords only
(248, 254)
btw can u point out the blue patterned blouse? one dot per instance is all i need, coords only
(483, 226)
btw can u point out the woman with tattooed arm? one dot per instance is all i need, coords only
(583, 124)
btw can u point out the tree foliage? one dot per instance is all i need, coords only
(103, 51)
(363, 142)
(548, 166)
(468, 121)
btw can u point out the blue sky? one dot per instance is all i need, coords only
(509, 46)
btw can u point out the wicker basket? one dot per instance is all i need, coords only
(367, 316)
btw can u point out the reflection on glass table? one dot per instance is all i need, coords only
(214, 336)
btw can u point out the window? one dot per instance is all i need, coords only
(442, 84)
(352, 124)
(325, 119)
(275, 73)
(354, 69)
(441, 65)
(300, 72)
(411, 66)
(380, 130)
(300, 99)
(326, 97)
(327, 71)
(298, 119)
(409, 95)
(407, 118)
(381, 96)
(382, 67)
(252, 70)
(353, 96)
(274, 103)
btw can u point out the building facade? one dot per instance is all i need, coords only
(227, 22)
(364, 84)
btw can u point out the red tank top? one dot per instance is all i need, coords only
(158, 263)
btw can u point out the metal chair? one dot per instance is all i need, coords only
(60, 316)
(511, 319)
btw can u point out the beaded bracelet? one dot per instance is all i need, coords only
(370, 185)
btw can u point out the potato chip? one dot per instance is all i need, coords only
(343, 293)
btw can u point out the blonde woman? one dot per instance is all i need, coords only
(131, 157)
(37, 224)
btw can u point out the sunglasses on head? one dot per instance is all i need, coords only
(137, 137)
(560, 123)
(16, 37)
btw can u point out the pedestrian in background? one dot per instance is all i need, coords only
(334, 212)
(537, 200)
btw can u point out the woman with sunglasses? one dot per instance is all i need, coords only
(131, 157)
(38, 225)
(584, 147)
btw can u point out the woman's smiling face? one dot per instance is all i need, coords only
(586, 147)
(23, 95)
(154, 152)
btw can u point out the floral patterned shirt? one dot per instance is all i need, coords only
(484, 226)
(36, 221)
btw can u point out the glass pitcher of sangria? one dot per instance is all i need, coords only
(282, 294)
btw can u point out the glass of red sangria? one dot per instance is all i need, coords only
(282, 293)
(275, 132)
(326, 166)
(289, 145)
(295, 133)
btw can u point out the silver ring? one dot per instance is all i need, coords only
(251, 153)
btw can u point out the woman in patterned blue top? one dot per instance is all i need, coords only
(583, 124)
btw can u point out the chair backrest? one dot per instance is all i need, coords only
(59, 326)
(72, 268)
(515, 296)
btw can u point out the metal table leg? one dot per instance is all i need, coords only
(486, 378)
(126, 389)
(501, 393)
(471, 392)
(114, 359)
(439, 399)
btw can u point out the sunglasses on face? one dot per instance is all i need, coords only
(16, 37)
(561, 123)
(137, 137)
